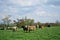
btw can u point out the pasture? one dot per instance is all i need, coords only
(52, 33)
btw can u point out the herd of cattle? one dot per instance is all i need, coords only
(28, 28)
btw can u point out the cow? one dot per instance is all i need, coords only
(29, 28)
(12, 28)
(41, 26)
(48, 25)
(25, 28)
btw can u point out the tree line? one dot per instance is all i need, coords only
(7, 22)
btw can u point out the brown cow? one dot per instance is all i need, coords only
(29, 28)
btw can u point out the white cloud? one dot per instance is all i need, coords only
(12, 9)
(9, 10)
(25, 2)
(40, 13)
(46, 14)
(44, 1)
(54, 6)
(28, 2)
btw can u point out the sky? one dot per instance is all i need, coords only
(39, 10)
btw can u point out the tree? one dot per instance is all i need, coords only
(21, 22)
(38, 23)
(57, 23)
(6, 21)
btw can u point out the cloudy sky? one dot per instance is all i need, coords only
(40, 10)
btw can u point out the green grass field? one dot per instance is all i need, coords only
(52, 33)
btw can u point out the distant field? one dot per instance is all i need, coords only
(52, 33)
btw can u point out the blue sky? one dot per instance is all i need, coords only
(39, 10)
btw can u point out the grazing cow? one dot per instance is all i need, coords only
(37, 26)
(25, 28)
(31, 28)
(48, 25)
(12, 28)
(41, 26)
(28, 28)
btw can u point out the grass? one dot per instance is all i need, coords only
(52, 33)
